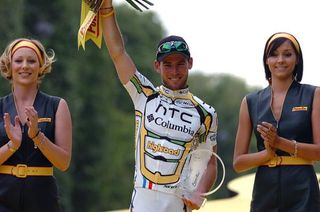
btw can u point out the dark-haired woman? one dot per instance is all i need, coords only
(285, 119)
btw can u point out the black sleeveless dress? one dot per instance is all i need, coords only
(285, 188)
(34, 193)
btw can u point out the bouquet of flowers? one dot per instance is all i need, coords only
(90, 20)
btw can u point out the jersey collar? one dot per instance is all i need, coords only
(174, 93)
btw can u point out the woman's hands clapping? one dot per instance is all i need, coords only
(270, 137)
(13, 131)
(32, 121)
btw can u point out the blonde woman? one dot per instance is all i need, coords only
(35, 131)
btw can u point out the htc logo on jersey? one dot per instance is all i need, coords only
(183, 116)
(174, 113)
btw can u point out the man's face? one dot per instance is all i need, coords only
(174, 70)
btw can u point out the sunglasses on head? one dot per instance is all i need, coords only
(168, 46)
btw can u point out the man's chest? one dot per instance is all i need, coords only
(175, 118)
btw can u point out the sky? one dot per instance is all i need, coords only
(228, 36)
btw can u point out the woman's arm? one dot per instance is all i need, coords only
(14, 134)
(58, 153)
(242, 159)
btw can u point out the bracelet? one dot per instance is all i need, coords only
(10, 147)
(40, 143)
(107, 14)
(36, 135)
(295, 148)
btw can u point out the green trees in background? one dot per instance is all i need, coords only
(101, 174)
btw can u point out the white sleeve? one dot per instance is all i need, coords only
(139, 88)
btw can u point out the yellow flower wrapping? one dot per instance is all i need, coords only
(90, 26)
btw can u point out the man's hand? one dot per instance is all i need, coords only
(94, 4)
(194, 200)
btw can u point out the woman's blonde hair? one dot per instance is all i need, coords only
(6, 58)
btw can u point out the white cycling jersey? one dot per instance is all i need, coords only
(168, 125)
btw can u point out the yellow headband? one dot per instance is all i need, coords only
(285, 35)
(28, 44)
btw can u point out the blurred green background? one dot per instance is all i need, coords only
(101, 173)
